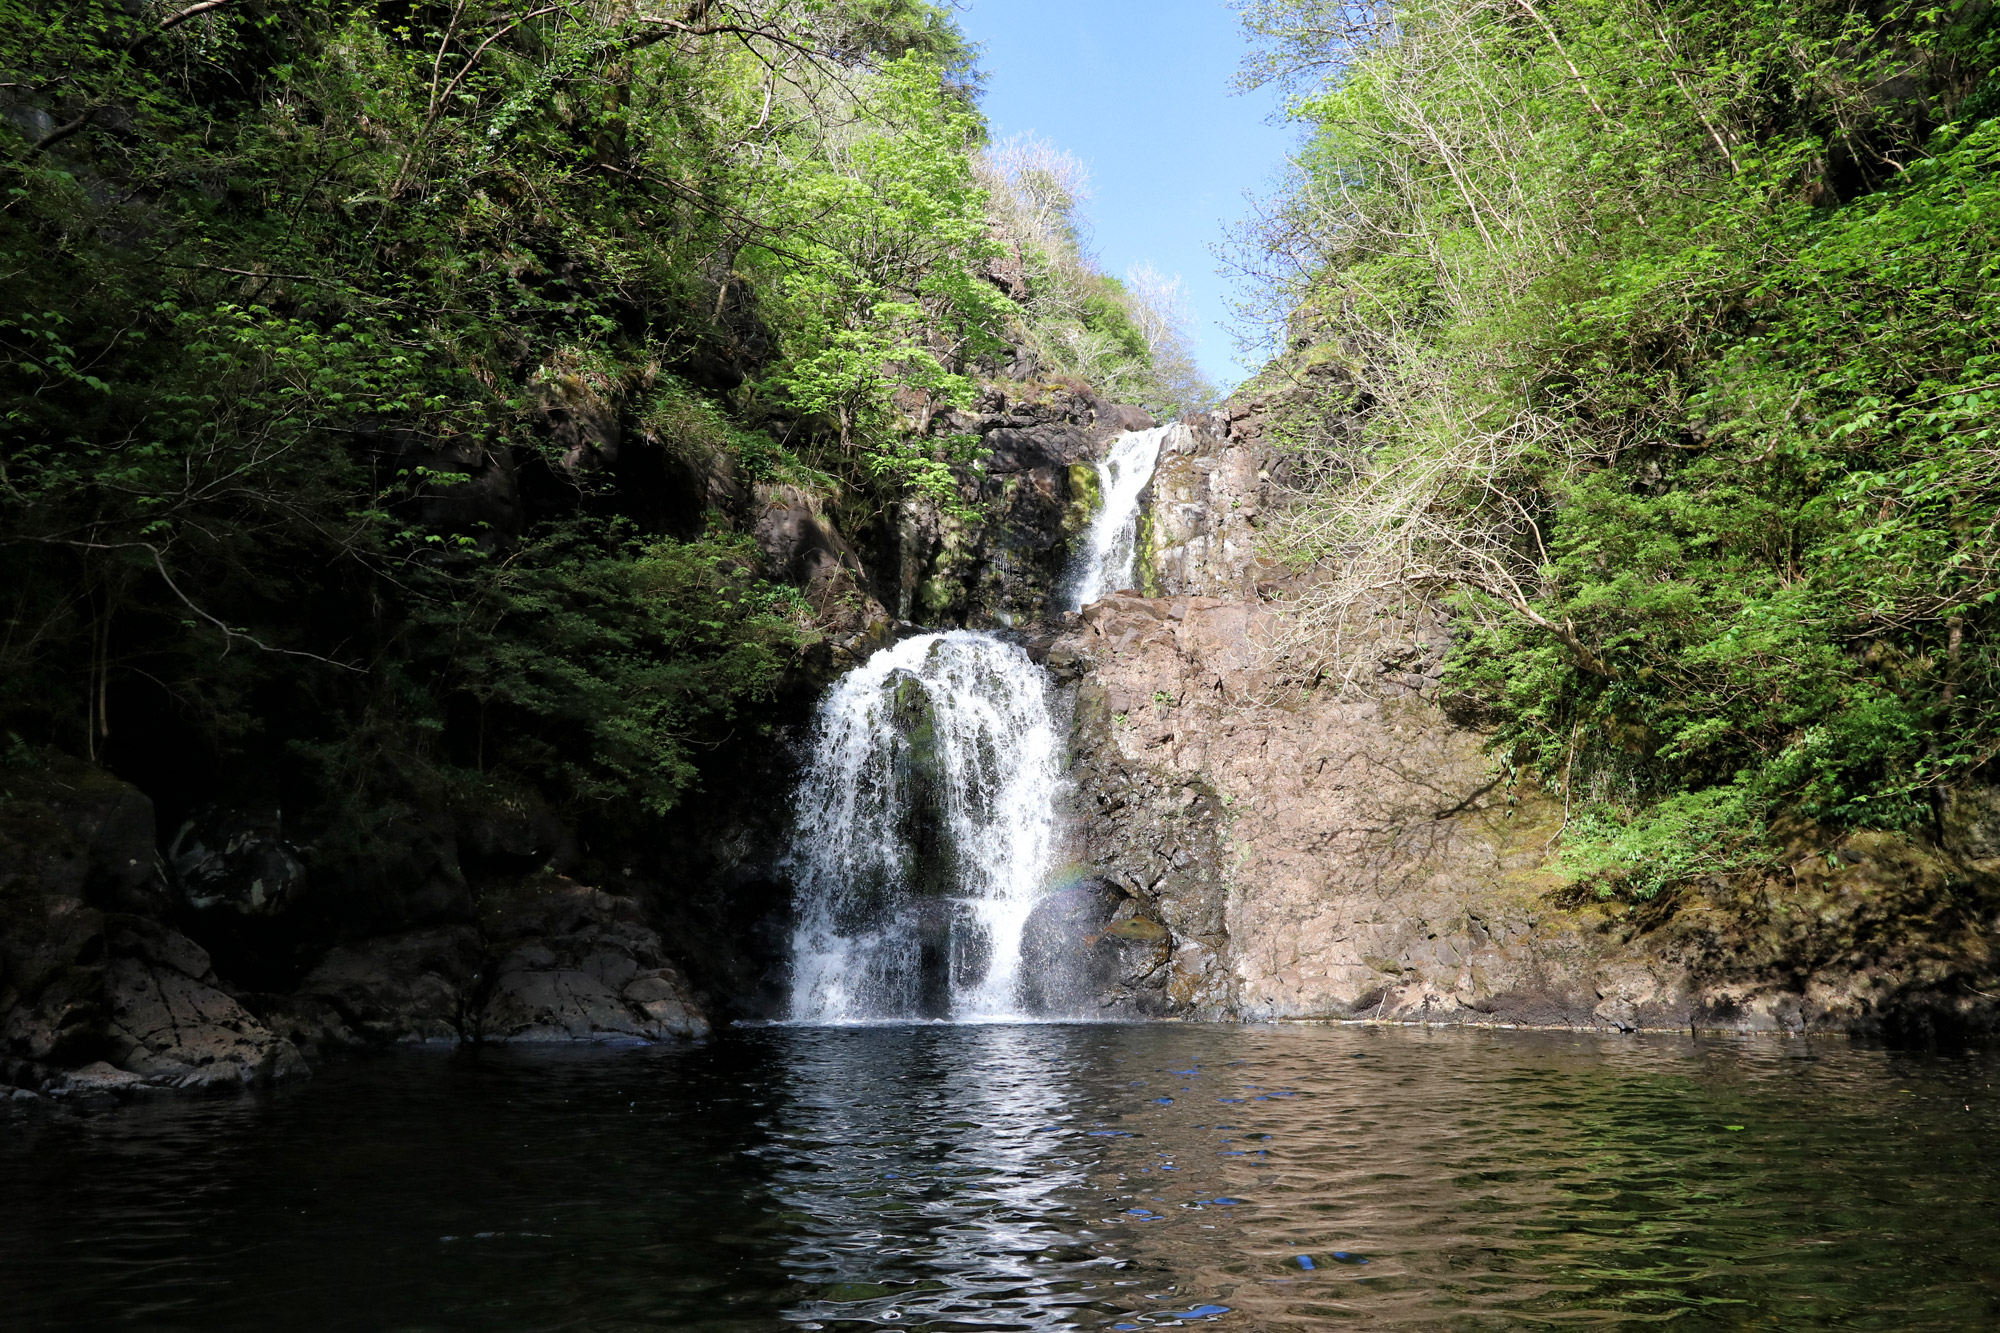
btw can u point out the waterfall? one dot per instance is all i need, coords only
(1104, 564)
(926, 828)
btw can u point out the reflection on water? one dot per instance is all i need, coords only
(1034, 1177)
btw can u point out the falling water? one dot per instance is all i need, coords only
(926, 828)
(1105, 562)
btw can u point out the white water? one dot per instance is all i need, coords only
(858, 951)
(1110, 547)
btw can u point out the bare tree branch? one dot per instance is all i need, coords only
(230, 633)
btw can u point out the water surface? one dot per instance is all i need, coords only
(1033, 1177)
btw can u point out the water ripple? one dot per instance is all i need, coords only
(1035, 1177)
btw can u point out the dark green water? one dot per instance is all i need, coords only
(1034, 1177)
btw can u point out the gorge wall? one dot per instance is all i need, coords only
(1345, 849)
(1247, 845)
(139, 953)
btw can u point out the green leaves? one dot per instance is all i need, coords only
(1693, 345)
(880, 286)
(291, 329)
(600, 663)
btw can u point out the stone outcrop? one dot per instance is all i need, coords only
(1342, 848)
(1032, 486)
(1205, 510)
(102, 998)
(802, 547)
(416, 987)
(576, 964)
(173, 1026)
(97, 999)
(548, 960)
(1324, 853)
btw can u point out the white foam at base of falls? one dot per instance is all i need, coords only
(1104, 563)
(862, 925)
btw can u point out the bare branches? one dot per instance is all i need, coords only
(1441, 145)
(1035, 196)
(175, 20)
(230, 633)
(64, 131)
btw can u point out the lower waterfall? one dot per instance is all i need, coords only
(926, 829)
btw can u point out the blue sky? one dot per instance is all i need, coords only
(1141, 92)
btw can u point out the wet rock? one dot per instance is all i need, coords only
(1092, 951)
(548, 960)
(236, 862)
(411, 988)
(578, 964)
(1004, 569)
(922, 793)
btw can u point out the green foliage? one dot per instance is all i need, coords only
(1666, 356)
(1683, 838)
(599, 662)
(379, 380)
(880, 286)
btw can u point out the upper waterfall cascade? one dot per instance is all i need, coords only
(1110, 550)
(926, 829)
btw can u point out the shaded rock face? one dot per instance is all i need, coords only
(100, 1003)
(228, 862)
(924, 825)
(174, 1027)
(415, 987)
(551, 961)
(804, 548)
(1869, 931)
(1005, 569)
(87, 984)
(577, 964)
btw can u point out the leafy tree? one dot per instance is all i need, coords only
(1655, 343)
(378, 376)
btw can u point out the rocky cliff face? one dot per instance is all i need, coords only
(104, 994)
(1327, 853)
(1344, 849)
(1034, 491)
